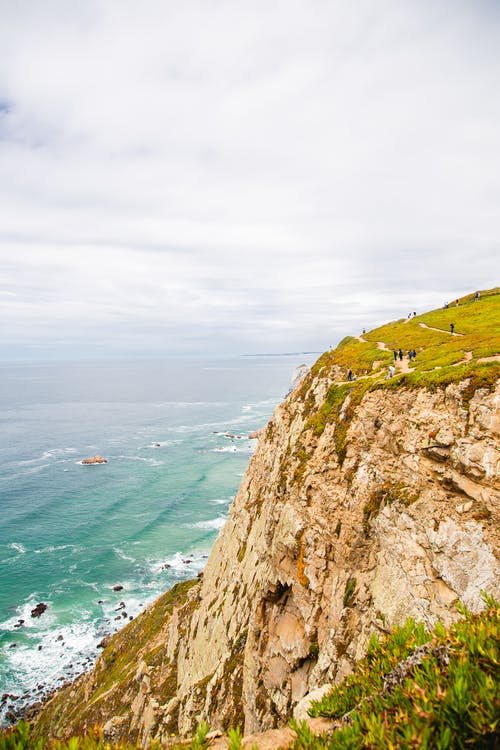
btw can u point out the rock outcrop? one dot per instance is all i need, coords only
(95, 460)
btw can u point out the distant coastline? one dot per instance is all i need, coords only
(280, 354)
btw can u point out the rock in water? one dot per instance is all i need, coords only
(39, 609)
(95, 460)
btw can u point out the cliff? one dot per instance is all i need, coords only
(365, 502)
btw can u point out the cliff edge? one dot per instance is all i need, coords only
(367, 501)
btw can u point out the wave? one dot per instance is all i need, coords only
(215, 524)
(121, 554)
(23, 612)
(57, 548)
(266, 403)
(53, 452)
(42, 663)
(21, 474)
(221, 500)
(144, 459)
(180, 563)
(248, 449)
(18, 547)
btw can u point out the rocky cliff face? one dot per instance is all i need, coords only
(355, 513)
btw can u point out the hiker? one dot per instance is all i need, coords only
(401, 355)
(349, 375)
(476, 297)
(395, 355)
(414, 314)
(456, 303)
(364, 331)
(410, 354)
(452, 328)
(445, 306)
(392, 370)
(414, 354)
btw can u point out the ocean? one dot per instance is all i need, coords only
(175, 434)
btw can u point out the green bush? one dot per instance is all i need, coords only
(416, 689)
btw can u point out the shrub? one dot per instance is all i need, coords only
(416, 689)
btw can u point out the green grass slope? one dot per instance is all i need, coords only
(477, 336)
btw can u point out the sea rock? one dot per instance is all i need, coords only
(39, 609)
(95, 460)
(118, 587)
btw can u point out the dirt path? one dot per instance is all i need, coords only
(360, 338)
(467, 358)
(403, 366)
(381, 345)
(495, 358)
(440, 330)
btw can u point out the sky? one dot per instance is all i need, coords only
(229, 177)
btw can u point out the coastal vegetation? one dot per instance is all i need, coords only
(419, 689)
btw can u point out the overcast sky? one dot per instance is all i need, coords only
(225, 176)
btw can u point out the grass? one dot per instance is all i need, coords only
(477, 321)
(21, 737)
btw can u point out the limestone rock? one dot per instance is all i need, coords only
(300, 712)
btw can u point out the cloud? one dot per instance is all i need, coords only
(234, 177)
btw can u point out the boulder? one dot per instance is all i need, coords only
(39, 609)
(95, 460)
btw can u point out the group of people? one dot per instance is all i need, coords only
(412, 354)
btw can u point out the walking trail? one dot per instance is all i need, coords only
(441, 330)
(404, 366)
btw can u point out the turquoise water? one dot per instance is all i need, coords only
(69, 533)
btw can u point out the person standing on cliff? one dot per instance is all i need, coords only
(349, 375)
(401, 355)
(395, 355)
(476, 297)
(452, 328)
